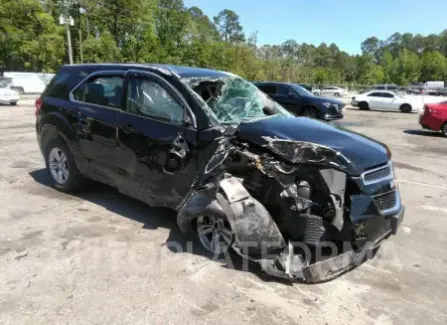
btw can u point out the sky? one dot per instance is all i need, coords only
(346, 23)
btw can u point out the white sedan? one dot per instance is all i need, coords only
(382, 99)
(330, 91)
(8, 96)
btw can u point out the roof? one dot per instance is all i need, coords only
(183, 72)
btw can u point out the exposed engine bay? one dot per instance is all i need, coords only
(293, 207)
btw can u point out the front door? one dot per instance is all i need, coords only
(288, 99)
(155, 142)
(98, 103)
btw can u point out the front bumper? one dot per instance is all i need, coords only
(334, 113)
(332, 267)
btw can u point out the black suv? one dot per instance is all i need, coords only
(301, 102)
(241, 171)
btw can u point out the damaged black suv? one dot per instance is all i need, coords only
(302, 198)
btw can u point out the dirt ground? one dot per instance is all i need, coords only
(98, 257)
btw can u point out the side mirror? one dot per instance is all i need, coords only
(292, 95)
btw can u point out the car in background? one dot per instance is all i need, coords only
(330, 91)
(301, 102)
(434, 117)
(390, 87)
(27, 82)
(387, 100)
(7, 95)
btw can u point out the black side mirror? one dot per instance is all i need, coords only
(291, 95)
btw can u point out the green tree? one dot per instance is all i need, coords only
(433, 66)
(30, 39)
(229, 27)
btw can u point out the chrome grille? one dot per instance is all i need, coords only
(386, 201)
(378, 174)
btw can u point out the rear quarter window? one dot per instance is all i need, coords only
(61, 84)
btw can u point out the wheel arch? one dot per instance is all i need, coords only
(56, 125)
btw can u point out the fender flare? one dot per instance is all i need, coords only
(256, 233)
(55, 124)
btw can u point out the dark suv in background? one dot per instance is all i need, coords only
(241, 171)
(301, 102)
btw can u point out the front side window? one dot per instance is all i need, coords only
(387, 95)
(148, 98)
(101, 90)
(284, 91)
(268, 89)
(374, 95)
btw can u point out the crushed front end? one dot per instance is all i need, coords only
(297, 212)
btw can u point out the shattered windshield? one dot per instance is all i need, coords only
(232, 99)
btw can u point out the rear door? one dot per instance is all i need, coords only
(156, 139)
(98, 101)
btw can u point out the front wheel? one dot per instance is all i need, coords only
(337, 95)
(363, 106)
(309, 112)
(214, 233)
(61, 166)
(444, 129)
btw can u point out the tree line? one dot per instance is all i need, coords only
(165, 31)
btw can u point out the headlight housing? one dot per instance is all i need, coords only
(326, 104)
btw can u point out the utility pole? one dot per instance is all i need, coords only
(80, 46)
(66, 20)
(70, 51)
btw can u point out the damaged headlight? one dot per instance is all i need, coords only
(298, 151)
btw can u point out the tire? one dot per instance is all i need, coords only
(309, 112)
(61, 166)
(214, 233)
(364, 106)
(405, 108)
(191, 221)
(337, 95)
(444, 129)
(13, 103)
(316, 93)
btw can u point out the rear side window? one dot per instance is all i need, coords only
(268, 89)
(63, 82)
(101, 90)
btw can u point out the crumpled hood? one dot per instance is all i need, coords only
(361, 152)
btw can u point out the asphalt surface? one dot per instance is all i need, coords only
(97, 257)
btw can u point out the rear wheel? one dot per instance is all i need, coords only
(363, 106)
(444, 129)
(13, 103)
(61, 166)
(405, 108)
(309, 112)
(337, 95)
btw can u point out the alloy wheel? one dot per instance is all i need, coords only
(58, 165)
(215, 234)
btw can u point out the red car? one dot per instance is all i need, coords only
(435, 117)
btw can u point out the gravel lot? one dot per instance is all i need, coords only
(101, 258)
